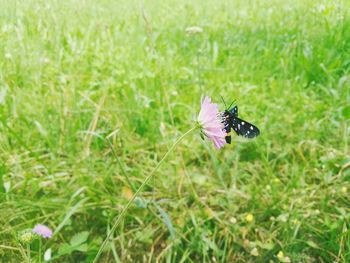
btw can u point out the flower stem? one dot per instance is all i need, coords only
(40, 244)
(28, 253)
(120, 165)
(148, 178)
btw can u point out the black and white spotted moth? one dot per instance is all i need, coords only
(241, 127)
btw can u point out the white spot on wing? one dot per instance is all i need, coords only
(242, 122)
(251, 127)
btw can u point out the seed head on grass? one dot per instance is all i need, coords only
(210, 122)
(194, 30)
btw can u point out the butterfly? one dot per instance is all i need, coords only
(241, 127)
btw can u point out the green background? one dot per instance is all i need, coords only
(73, 72)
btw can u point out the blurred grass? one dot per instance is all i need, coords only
(71, 70)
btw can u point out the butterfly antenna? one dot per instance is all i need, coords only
(224, 102)
(231, 104)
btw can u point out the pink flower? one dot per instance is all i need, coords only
(43, 231)
(211, 124)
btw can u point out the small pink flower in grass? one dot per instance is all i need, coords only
(42, 230)
(210, 122)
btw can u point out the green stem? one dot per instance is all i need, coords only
(148, 178)
(28, 253)
(40, 244)
(120, 165)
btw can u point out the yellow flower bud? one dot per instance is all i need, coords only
(249, 218)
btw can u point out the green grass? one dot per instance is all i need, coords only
(73, 71)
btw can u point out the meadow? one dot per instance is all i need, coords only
(94, 93)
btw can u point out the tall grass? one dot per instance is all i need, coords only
(71, 71)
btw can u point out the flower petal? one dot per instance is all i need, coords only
(211, 122)
(42, 230)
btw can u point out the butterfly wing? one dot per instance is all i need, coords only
(234, 111)
(243, 128)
